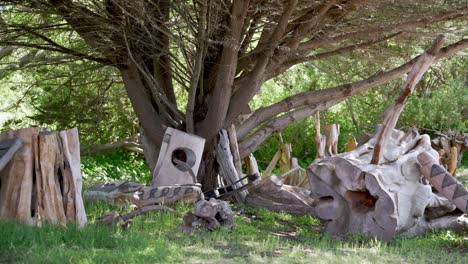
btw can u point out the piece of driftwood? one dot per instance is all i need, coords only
(8, 148)
(393, 112)
(212, 214)
(351, 144)
(179, 158)
(452, 222)
(332, 132)
(235, 149)
(251, 165)
(443, 181)
(125, 193)
(320, 141)
(227, 168)
(380, 201)
(114, 218)
(271, 193)
(271, 166)
(451, 146)
(42, 182)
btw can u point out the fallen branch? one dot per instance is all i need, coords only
(112, 147)
(394, 111)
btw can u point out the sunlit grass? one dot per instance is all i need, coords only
(260, 236)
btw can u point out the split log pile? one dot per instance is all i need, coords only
(42, 181)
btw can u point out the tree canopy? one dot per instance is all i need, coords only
(196, 65)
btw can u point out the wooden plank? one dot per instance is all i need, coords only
(271, 166)
(8, 148)
(226, 164)
(71, 156)
(17, 178)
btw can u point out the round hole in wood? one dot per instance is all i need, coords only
(183, 158)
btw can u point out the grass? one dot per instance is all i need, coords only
(260, 237)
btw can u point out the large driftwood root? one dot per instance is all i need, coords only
(271, 193)
(212, 214)
(381, 200)
(124, 193)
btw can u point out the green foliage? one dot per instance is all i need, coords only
(260, 236)
(121, 165)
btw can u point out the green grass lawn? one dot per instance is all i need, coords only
(267, 237)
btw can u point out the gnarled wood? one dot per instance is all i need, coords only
(380, 201)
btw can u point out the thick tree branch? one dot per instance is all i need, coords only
(320, 56)
(252, 143)
(373, 31)
(339, 92)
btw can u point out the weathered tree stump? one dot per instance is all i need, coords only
(380, 200)
(42, 181)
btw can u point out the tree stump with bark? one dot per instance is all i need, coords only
(42, 181)
(379, 200)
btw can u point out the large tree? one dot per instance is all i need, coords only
(219, 53)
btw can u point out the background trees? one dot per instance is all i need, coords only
(196, 65)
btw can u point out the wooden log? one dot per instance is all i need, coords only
(256, 201)
(320, 140)
(271, 166)
(17, 177)
(352, 144)
(453, 160)
(43, 180)
(285, 160)
(71, 168)
(235, 149)
(332, 132)
(129, 193)
(393, 112)
(271, 193)
(251, 165)
(227, 168)
(452, 222)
